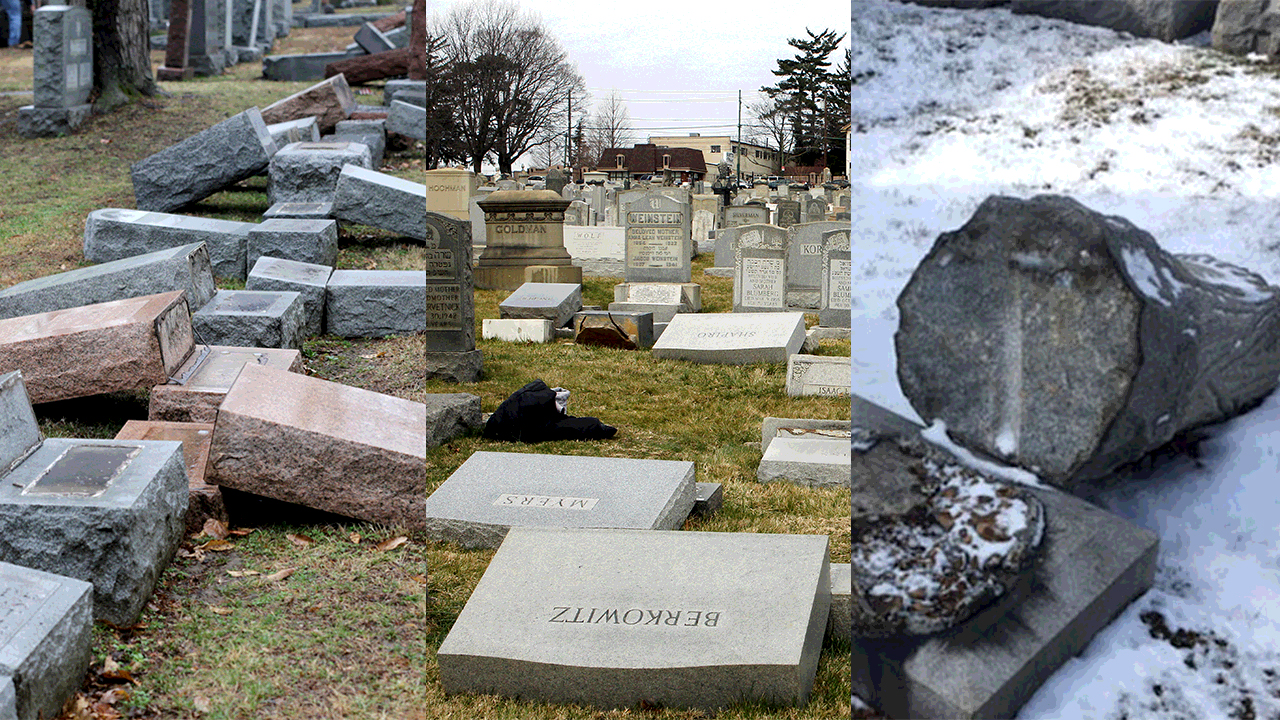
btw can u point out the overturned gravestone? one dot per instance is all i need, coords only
(805, 452)
(576, 615)
(235, 149)
(495, 491)
(204, 502)
(332, 447)
(993, 656)
(251, 318)
(117, 233)
(383, 201)
(105, 511)
(292, 131)
(307, 279)
(375, 303)
(19, 432)
(82, 351)
(556, 302)
(408, 120)
(1153, 343)
(305, 241)
(200, 385)
(614, 328)
(308, 171)
(185, 268)
(329, 102)
(731, 338)
(46, 623)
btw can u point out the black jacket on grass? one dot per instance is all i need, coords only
(530, 415)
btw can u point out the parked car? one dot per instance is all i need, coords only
(773, 181)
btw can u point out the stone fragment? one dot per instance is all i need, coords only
(233, 150)
(708, 499)
(375, 303)
(247, 318)
(369, 197)
(307, 279)
(1166, 20)
(610, 328)
(115, 233)
(186, 268)
(332, 447)
(118, 345)
(19, 432)
(313, 242)
(1046, 289)
(308, 171)
(46, 623)
(328, 101)
(207, 376)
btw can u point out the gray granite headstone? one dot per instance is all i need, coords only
(251, 318)
(109, 512)
(384, 201)
(813, 458)
(46, 623)
(185, 268)
(292, 131)
(804, 262)
(814, 210)
(307, 279)
(760, 269)
(556, 302)
(616, 618)
(836, 304)
(407, 119)
(731, 338)
(494, 491)
(233, 150)
(19, 432)
(63, 56)
(114, 234)
(373, 40)
(307, 241)
(658, 240)
(450, 306)
(375, 303)
(787, 214)
(735, 215)
(308, 171)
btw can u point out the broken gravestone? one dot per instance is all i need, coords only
(1068, 342)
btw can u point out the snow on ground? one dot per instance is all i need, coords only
(956, 105)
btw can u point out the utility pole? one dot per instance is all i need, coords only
(737, 156)
(568, 138)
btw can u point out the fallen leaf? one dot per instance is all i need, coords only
(354, 537)
(217, 546)
(114, 695)
(110, 665)
(242, 573)
(219, 610)
(300, 540)
(375, 355)
(215, 529)
(241, 532)
(111, 670)
(201, 704)
(391, 544)
(280, 574)
(420, 579)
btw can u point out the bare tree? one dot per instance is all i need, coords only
(121, 52)
(611, 127)
(517, 79)
(769, 126)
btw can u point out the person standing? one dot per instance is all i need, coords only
(13, 8)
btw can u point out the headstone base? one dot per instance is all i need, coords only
(523, 330)
(43, 661)
(457, 367)
(511, 277)
(169, 74)
(34, 122)
(553, 274)
(720, 272)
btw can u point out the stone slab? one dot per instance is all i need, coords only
(659, 245)
(291, 131)
(407, 119)
(372, 39)
(333, 447)
(329, 101)
(185, 268)
(708, 499)
(19, 431)
(686, 295)
(731, 338)
(840, 623)
(529, 330)
(251, 318)
(375, 303)
(808, 459)
(375, 140)
(369, 197)
(308, 171)
(836, 295)
(556, 302)
(46, 624)
(612, 328)
(301, 67)
(1092, 565)
(660, 313)
(309, 280)
(34, 122)
(193, 169)
(774, 427)
(575, 615)
(82, 351)
(819, 375)
(394, 86)
(109, 512)
(760, 268)
(204, 502)
(305, 241)
(494, 491)
(300, 211)
(595, 243)
(118, 233)
(207, 377)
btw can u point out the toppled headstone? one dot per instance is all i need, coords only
(1241, 27)
(1046, 289)
(304, 241)
(384, 201)
(205, 379)
(300, 439)
(408, 120)
(248, 318)
(819, 375)
(115, 233)
(46, 623)
(812, 456)
(307, 279)
(308, 171)
(81, 351)
(731, 338)
(612, 328)
(494, 491)
(186, 268)
(375, 303)
(513, 330)
(292, 131)
(19, 432)
(358, 69)
(300, 211)
(303, 67)
(616, 618)
(328, 101)
(204, 502)
(233, 150)
(556, 302)
(105, 511)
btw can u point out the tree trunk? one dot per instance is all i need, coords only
(121, 52)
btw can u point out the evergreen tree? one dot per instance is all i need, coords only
(804, 94)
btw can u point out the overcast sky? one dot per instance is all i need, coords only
(679, 65)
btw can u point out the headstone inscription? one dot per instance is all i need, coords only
(731, 338)
(837, 280)
(575, 615)
(735, 215)
(63, 71)
(449, 191)
(804, 262)
(450, 301)
(524, 228)
(787, 214)
(46, 623)
(658, 237)
(819, 375)
(760, 269)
